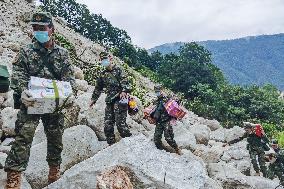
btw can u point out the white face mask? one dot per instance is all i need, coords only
(158, 93)
(105, 63)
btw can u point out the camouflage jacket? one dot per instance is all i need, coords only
(112, 82)
(253, 140)
(161, 114)
(35, 60)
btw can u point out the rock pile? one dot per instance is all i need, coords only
(132, 162)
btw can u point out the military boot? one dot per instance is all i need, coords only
(54, 174)
(14, 179)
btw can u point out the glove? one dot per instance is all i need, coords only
(27, 99)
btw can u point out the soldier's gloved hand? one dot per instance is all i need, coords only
(27, 99)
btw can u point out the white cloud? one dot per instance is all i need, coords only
(154, 22)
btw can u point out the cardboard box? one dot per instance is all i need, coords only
(45, 92)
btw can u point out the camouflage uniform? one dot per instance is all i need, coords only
(35, 60)
(113, 81)
(163, 124)
(277, 168)
(255, 147)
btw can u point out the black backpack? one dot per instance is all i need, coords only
(4, 79)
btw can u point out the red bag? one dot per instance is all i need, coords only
(258, 130)
(174, 109)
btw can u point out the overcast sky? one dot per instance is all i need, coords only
(154, 22)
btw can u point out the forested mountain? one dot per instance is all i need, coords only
(250, 60)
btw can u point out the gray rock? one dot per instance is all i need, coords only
(184, 138)
(8, 99)
(140, 155)
(230, 177)
(9, 116)
(236, 152)
(201, 133)
(212, 124)
(218, 135)
(234, 133)
(79, 142)
(81, 85)
(209, 155)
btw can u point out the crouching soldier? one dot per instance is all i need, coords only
(256, 147)
(277, 167)
(44, 59)
(163, 122)
(115, 84)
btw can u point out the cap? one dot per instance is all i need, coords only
(41, 18)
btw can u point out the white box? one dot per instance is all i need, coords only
(43, 91)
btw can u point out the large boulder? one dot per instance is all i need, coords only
(209, 155)
(79, 142)
(140, 155)
(236, 152)
(95, 117)
(81, 85)
(234, 133)
(184, 138)
(232, 178)
(201, 133)
(212, 124)
(218, 135)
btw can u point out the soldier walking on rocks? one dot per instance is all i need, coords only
(256, 147)
(115, 84)
(277, 167)
(163, 122)
(43, 58)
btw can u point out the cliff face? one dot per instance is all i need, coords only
(133, 162)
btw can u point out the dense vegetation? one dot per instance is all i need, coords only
(251, 60)
(189, 72)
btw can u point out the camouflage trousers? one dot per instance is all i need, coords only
(277, 169)
(258, 154)
(26, 125)
(115, 114)
(167, 129)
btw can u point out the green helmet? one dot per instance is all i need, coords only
(41, 18)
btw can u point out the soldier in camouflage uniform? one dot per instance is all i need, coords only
(43, 58)
(277, 167)
(255, 147)
(163, 122)
(116, 85)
